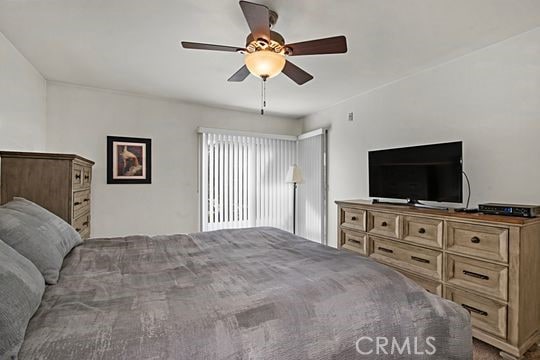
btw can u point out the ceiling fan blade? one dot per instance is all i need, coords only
(240, 75)
(201, 46)
(258, 19)
(296, 74)
(331, 45)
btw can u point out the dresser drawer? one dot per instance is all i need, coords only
(354, 219)
(77, 176)
(408, 257)
(486, 315)
(354, 241)
(430, 286)
(482, 241)
(423, 231)
(385, 224)
(81, 202)
(483, 277)
(87, 176)
(82, 223)
(85, 234)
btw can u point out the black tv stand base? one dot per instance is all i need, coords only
(410, 202)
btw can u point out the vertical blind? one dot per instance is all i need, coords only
(243, 180)
(312, 205)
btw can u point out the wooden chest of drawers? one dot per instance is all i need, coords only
(60, 183)
(488, 264)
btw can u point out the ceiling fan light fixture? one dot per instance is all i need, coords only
(264, 63)
(266, 51)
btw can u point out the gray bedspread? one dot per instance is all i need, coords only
(257, 293)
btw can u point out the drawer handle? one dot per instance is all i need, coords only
(77, 203)
(86, 200)
(421, 231)
(355, 241)
(475, 275)
(386, 250)
(474, 310)
(475, 240)
(354, 218)
(78, 176)
(78, 229)
(425, 261)
(384, 224)
(85, 223)
(86, 177)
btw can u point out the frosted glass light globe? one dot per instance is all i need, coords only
(264, 63)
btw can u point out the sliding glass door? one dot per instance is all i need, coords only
(242, 181)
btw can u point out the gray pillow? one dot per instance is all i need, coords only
(21, 289)
(69, 236)
(39, 241)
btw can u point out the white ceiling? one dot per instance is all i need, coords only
(133, 45)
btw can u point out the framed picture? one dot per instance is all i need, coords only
(129, 160)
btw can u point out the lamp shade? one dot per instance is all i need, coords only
(264, 63)
(294, 175)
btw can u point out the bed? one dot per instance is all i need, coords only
(258, 293)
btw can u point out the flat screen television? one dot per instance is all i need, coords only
(427, 172)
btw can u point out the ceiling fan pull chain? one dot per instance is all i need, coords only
(262, 97)
(263, 94)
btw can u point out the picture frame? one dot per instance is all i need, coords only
(129, 160)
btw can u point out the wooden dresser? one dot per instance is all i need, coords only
(58, 182)
(488, 264)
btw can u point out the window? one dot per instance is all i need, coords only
(242, 178)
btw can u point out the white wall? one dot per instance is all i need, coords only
(490, 99)
(23, 95)
(79, 120)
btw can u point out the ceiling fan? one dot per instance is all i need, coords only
(266, 51)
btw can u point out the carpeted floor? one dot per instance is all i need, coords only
(483, 351)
